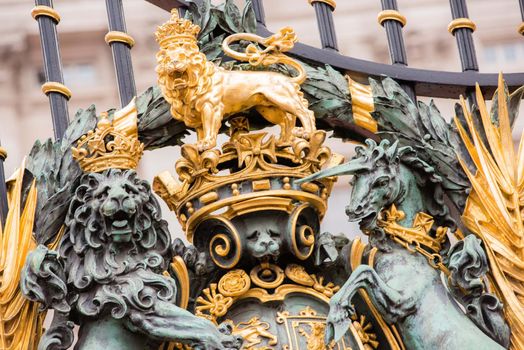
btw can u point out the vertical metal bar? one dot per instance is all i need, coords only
(462, 28)
(3, 188)
(326, 26)
(393, 22)
(54, 87)
(121, 44)
(260, 15)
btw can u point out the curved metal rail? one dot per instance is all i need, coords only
(426, 82)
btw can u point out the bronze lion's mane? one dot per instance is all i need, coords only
(106, 275)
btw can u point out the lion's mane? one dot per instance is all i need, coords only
(198, 77)
(115, 274)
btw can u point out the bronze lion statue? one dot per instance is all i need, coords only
(112, 256)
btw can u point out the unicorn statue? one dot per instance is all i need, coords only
(399, 203)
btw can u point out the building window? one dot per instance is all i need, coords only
(79, 74)
(75, 74)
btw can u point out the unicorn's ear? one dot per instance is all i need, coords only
(348, 168)
(391, 152)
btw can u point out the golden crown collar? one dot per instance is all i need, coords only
(112, 144)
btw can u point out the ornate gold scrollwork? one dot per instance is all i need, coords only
(234, 283)
(237, 285)
(363, 329)
(302, 228)
(212, 305)
(224, 246)
(298, 274)
(182, 276)
(267, 276)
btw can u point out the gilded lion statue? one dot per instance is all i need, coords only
(202, 94)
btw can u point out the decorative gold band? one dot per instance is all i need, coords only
(331, 3)
(3, 153)
(42, 10)
(461, 23)
(520, 29)
(393, 15)
(119, 37)
(53, 86)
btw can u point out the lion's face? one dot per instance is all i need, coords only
(114, 223)
(117, 200)
(173, 65)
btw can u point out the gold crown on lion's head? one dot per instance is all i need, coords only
(112, 144)
(176, 29)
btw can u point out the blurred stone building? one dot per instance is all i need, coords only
(88, 67)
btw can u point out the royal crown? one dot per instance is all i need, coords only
(251, 172)
(112, 144)
(176, 30)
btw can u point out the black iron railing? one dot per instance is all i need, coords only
(417, 82)
(121, 44)
(432, 83)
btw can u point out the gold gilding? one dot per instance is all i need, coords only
(331, 3)
(261, 185)
(42, 10)
(362, 105)
(122, 37)
(253, 332)
(236, 285)
(182, 276)
(520, 28)
(419, 234)
(309, 187)
(391, 15)
(494, 209)
(112, 144)
(20, 319)
(267, 183)
(3, 153)
(208, 197)
(202, 94)
(461, 23)
(53, 86)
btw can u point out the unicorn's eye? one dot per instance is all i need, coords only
(381, 182)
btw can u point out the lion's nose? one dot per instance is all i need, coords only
(116, 199)
(109, 208)
(129, 206)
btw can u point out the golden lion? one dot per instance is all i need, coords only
(202, 94)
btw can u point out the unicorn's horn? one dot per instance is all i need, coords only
(348, 168)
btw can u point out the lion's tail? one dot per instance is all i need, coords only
(275, 45)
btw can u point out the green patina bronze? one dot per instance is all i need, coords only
(403, 286)
(107, 275)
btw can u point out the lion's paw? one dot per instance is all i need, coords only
(229, 340)
(300, 132)
(205, 144)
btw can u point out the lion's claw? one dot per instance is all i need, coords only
(205, 144)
